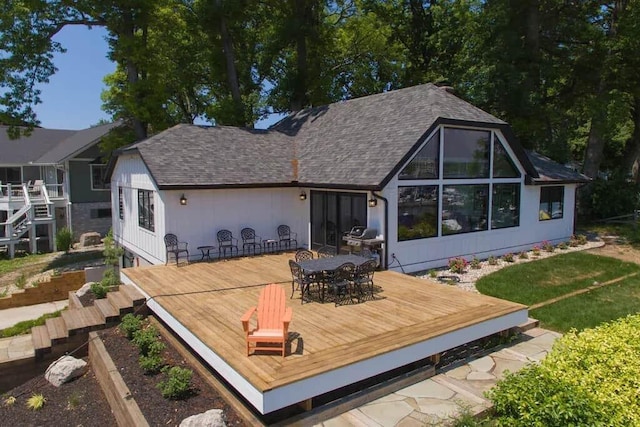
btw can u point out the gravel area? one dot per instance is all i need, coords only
(467, 280)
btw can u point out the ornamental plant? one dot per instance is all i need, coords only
(547, 246)
(475, 263)
(508, 257)
(590, 377)
(536, 250)
(458, 265)
(36, 402)
(130, 325)
(492, 260)
(562, 245)
(178, 383)
(523, 255)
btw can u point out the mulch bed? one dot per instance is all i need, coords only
(77, 403)
(156, 409)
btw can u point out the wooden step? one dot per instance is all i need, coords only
(57, 329)
(121, 302)
(83, 319)
(41, 340)
(74, 301)
(133, 294)
(108, 312)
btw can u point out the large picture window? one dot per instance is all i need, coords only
(426, 163)
(98, 177)
(417, 212)
(145, 209)
(464, 208)
(551, 202)
(505, 206)
(466, 153)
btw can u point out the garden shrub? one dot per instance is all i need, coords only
(99, 291)
(130, 325)
(475, 263)
(612, 197)
(492, 260)
(458, 265)
(178, 383)
(523, 255)
(64, 239)
(589, 378)
(536, 250)
(109, 278)
(147, 341)
(508, 257)
(547, 246)
(151, 364)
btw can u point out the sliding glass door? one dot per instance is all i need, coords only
(333, 214)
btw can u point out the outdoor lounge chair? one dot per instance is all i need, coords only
(273, 319)
(175, 247)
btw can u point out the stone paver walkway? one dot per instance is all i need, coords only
(436, 400)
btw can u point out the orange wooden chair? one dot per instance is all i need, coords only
(273, 319)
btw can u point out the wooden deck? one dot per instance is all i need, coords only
(330, 347)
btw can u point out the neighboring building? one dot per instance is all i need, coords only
(52, 179)
(436, 176)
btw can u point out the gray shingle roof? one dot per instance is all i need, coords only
(29, 148)
(76, 143)
(188, 155)
(552, 172)
(357, 143)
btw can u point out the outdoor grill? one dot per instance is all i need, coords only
(362, 237)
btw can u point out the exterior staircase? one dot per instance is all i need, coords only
(77, 321)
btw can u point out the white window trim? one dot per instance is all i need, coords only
(93, 188)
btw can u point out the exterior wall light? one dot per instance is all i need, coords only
(303, 195)
(183, 200)
(373, 203)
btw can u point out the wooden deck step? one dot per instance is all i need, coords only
(82, 320)
(74, 301)
(121, 302)
(57, 328)
(41, 340)
(133, 294)
(108, 312)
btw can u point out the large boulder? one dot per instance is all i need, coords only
(65, 369)
(211, 418)
(90, 239)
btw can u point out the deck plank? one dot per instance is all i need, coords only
(210, 297)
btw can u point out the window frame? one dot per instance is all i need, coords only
(549, 202)
(120, 203)
(434, 187)
(105, 182)
(146, 205)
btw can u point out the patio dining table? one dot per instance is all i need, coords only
(322, 268)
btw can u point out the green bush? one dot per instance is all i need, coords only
(178, 383)
(111, 252)
(612, 197)
(589, 378)
(64, 239)
(475, 263)
(492, 260)
(130, 325)
(508, 257)
(523, 255)
(147, 341)
(99, 291)
(21, 281)
(109, 278)
(151, 364)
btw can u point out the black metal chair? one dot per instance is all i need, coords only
(226, 241)
(363, 278)
(300, 280)
(250, 240)
(326, 252)
(173, 246)
(341, 281)
(303, 255)
(286, 237)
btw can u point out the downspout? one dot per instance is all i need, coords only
(386, 227)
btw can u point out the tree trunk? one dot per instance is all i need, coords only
(232, 72)
(632, 150)
(299, 97)
(133, 73)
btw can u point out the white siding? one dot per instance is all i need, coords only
(131, 174)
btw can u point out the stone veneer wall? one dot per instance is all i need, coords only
(82, 222)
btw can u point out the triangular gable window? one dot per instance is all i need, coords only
(426, 163)
(503, 166)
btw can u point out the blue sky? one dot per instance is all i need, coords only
(71, 99)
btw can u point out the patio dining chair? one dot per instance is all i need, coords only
(303, 255)
(286, 237)
(175, 247)
(341, 281)
(226, 241)
(299, 280)
(250, 241)
(326, 252)
(363, 278)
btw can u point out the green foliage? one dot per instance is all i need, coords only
(147, 341)
(508, 257)
(36, 402)
(130, 325)
(64, 239)
(433, 273)
(111, 252)
(99, 290)
(21, 281)
(10, 401)
(109, 278)
(4, 292)
(535, 250)
(74, 400)
(475, 263)
(177, 384)
(151, 364)
(24, 327)
(458, 265)
(492, 260)
(613, 197)
(523, 255)
(589, 378)
(563, 245)
(547, 246)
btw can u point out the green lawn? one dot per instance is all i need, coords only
(539, 281)
(534, 282)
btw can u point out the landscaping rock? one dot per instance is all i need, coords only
(65, 369)
(84, 289)
(211, 418)
(90, 239)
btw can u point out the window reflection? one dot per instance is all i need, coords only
(417, 212)
(464, 208)
(551, 203)
(505, 206)
(466, 153)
